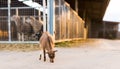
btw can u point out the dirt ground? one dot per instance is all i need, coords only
(97, 54)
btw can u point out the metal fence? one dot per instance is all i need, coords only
(68, 24)
(21, 10)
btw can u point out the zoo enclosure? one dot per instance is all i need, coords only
(60, 20)
(68, 24)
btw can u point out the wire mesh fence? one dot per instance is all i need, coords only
(23, 12)
(68, 24)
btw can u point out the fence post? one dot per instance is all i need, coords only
(51, 17)
(60, 12)
(44, 15)
(76, 6)
(17, 12)
(9, 24)
(64, 8)
(39, 15)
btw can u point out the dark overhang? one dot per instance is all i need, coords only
(95, 9)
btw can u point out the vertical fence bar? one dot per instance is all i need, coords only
(51, 17)
(39, 15)
(17, 12)
(9, 25)
(44, 15)
(77, 27)
(48, 15)
(69, 21)
(60, 19)
(64, 8)
(76, 6)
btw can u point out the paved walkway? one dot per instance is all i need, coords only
(100, 54)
